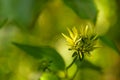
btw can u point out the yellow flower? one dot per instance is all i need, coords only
(83, 41)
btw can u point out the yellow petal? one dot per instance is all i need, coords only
(69, 40)
(86, 30)
(71, 33)
(75, 33)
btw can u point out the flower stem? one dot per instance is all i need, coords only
(71, 63)
(74, 74)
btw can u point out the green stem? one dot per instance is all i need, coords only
(74, 74)
(71, 63)
(66, 70)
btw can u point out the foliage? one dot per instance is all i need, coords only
(19, 13)
(25, 14)
(85, 9)
(46, 53)
(109, 43)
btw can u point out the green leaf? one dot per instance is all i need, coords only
(85, 9)
(86, 64)
(109, 43)
(44, 52)
(22, 12)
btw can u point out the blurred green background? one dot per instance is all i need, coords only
(41, 22)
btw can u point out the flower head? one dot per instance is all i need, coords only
(81, 42)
